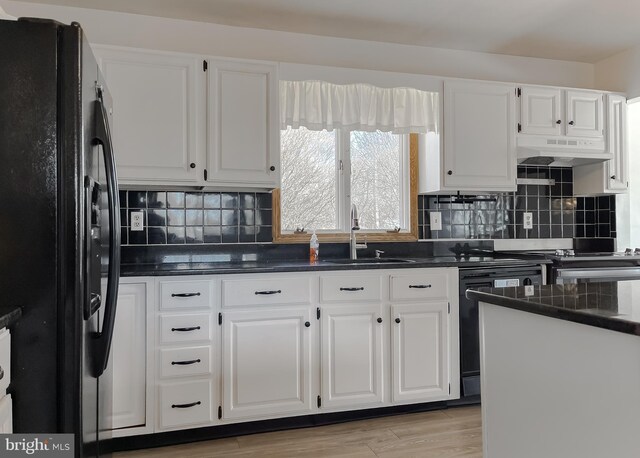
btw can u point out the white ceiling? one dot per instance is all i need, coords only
(576, 30)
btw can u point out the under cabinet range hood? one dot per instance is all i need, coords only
(566, 152)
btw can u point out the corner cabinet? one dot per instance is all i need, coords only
(612, 176)
(156, 106)
(244, 134)
(479, 138)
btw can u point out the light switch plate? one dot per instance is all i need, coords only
(527, 220)
(435, 221)
(137, 221)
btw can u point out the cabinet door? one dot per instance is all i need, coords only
(420, 351)
(129, 357)
(541, 111)
(154, 114)
(480, 128)
(351, 355)
(584, 114)
(266, 362)
(617, 169)
(244, 135)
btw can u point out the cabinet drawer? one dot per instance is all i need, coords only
(182, 294)
(179, 362)
(186, 403)
(426, 285)
(5, 361)
(185, 328)
(350, 288)
(275, 290)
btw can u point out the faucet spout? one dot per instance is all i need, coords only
(355, 226)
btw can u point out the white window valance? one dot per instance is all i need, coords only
(319, 105)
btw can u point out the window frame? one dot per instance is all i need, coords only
(411, 190)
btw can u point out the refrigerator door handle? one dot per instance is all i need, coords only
(102, 339)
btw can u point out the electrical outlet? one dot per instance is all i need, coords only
(137, 221)
(435, 220)
(527, 220)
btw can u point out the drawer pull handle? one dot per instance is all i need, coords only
(1, 373)
(185, 294)
(185, 363)
(379, 320)
(192, 328)
(397, 320)
(265, 293)
(361, 288)
(185, 406)
(420, 286)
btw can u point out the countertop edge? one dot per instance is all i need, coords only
(575, 316)
(145, 271)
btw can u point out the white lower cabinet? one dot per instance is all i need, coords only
(273, 345)
(185, 404)
(352, 355)
(129, 353)
(266, 362)
(420, 352)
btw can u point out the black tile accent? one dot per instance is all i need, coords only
(556, 212)
(157, 235)
(175, 199)
(229, 234)
(156, 199)
(176, 235)
(137, 199)
(195, 217)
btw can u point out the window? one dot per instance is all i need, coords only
(323, 173)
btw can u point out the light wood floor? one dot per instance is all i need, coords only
(454, 432)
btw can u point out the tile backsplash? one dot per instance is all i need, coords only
(556, 212)
(196, 217)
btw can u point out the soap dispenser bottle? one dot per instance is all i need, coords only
(314, 248)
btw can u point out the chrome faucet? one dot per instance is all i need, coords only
(355, 226)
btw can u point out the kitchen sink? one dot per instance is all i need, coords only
(368, 261)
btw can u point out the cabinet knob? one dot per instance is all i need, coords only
(450, 172)
(397, 320)
(307, 324)
(613, 177)
(272, 168)
(379, 320)
(559, 121)
(571, 123)
(192, 165)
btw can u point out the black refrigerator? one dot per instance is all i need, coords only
(59, 230)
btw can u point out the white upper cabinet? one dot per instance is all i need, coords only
(552, 111)
(479, 137)
(155, 113)
(585, 114)
(244, 137)
(612, 176)
(617, 169)
(541, 111)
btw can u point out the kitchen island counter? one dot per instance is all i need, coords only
(560, 370)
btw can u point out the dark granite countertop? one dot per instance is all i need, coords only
(9, 314)
(230, 266)
(608, 305)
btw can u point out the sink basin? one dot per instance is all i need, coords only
(368, 261)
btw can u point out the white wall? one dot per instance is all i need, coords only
(187, 36)
(620, 72)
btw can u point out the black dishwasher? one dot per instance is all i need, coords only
(491, 277)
